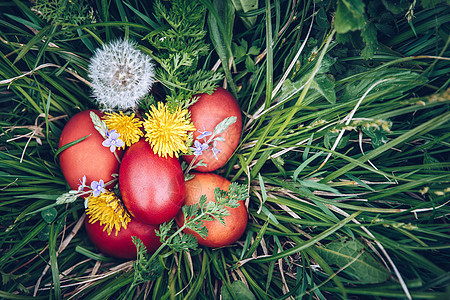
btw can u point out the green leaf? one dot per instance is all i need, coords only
(263, 188)
(69, 197)
(330, 139)
(396, 78)
(49, 214)
(325, 86)
(379, 140)
(23, 21)
(240, 291)
(93, 255)
(145, 270)
(369, 36)
(71, 144)
(305, 164)
(250, 64)
(24, 241)
(360, 182)
(396, 6)
(290, 89)
(355, 260)
(377, 136)
(54, 261)
(304, 245)
(44, 234)
(99, 124)
(240, 51)
(243, 6)
(221, 13)
(356, 7)
(322, 19)
(186, 241)
(144, 18)
(349, 16)
(35, 40)
(224, 124)
(269, 214)
(318, 186)
(254, 50)
(433, 3)
(322, 83)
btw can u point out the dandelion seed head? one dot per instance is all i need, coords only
(120, 75)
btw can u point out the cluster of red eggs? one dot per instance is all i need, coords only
(153, 188)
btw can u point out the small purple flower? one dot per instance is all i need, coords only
(199, 147)
(203, 133)
(113, 140)
(82, 184)
(98, 187)
(215, 151)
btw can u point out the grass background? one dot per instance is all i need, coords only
(345, 150)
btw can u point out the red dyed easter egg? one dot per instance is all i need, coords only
(89, 157)
(206, 113)
(218, 234)
(121, 245)
(152, 187)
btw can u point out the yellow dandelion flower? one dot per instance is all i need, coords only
(109, 210)
(129, 127)
(167, 132)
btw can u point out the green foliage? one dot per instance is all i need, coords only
(238, 291)
(178, 47)
(185, 32)
(194, 217)
(243, 52)
(49, 215)
(376, 133)
(369, 37)
(244, 6)
(190, 211)
(352, 258)
(173, 240)
(396, 6)
(65, 13)
(374, 18)
(350, 15)
(433, 3)
(145, 270)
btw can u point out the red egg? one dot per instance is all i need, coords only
(206, 113)
(218, 234)
(121, 245)
(89, 157)
(152, 187)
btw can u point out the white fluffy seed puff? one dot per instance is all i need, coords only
(120, 75)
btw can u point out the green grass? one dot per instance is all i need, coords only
(380, 197)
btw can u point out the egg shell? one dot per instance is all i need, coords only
(206, 113)
(121, 245)
(88, 157)
(152, 187)
(218, 234)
